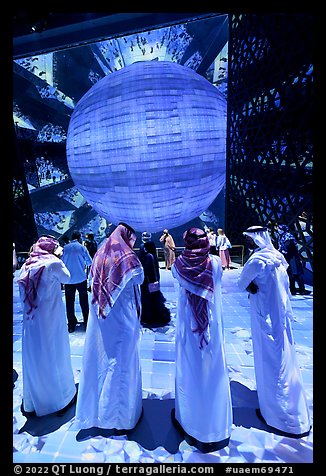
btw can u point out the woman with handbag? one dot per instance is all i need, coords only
(222, 246)
(154, 312)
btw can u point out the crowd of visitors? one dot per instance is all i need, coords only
(119, 293)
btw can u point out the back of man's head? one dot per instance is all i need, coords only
(76, 235)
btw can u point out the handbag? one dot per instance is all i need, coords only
(153, 287)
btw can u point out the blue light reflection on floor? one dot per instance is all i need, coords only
(250, 442)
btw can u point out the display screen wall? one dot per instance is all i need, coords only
(48, 87)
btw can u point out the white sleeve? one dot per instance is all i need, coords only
(250, 271)
(138, 275)
(60, 271)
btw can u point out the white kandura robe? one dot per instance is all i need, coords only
(110, 388)
(203, 403)
(48, 379)
(280, 390)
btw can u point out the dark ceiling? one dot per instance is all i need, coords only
(55, 65)
(38, 33)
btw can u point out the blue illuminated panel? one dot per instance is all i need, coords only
(146, 145)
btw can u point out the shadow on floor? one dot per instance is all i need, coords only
(40, 426)
(15, 377)
(242, 396)
(246, 411)
(155, 428)
(244, 405)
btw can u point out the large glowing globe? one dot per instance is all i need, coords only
(146, 145)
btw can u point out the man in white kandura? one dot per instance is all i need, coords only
(203, 407)
(110, 388)
(281, 396)
(48, 379)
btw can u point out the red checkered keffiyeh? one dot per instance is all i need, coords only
(31, 272)
(113, 266)
(195, 267)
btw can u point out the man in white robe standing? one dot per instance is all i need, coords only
(203, 407)
(48, 379)
(281, 395)
(110, 388)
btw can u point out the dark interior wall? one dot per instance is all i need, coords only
(24, 228)
(270, 125)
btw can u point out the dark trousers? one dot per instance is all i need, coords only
(295, 278)
(70, 292)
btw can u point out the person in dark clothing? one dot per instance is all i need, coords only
(64, 240)
(146, 236)
(154, 312)
(90, 244)
(288, 246)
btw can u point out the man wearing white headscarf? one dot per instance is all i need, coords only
(281, 396)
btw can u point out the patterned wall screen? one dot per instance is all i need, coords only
(24, 229)
(270, 125)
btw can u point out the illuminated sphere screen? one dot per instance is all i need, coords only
(146, 145)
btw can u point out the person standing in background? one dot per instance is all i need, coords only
(48, 379)
(223, 245)
(64, 240)
(145, 237)
(90, 244)
(282, 400)
(288, 246)
(110, 388)
(76, 258)
(203, 407)
(169, 249)
(212, 241)
(154, 312)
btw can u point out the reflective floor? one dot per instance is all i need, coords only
(55, 439)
